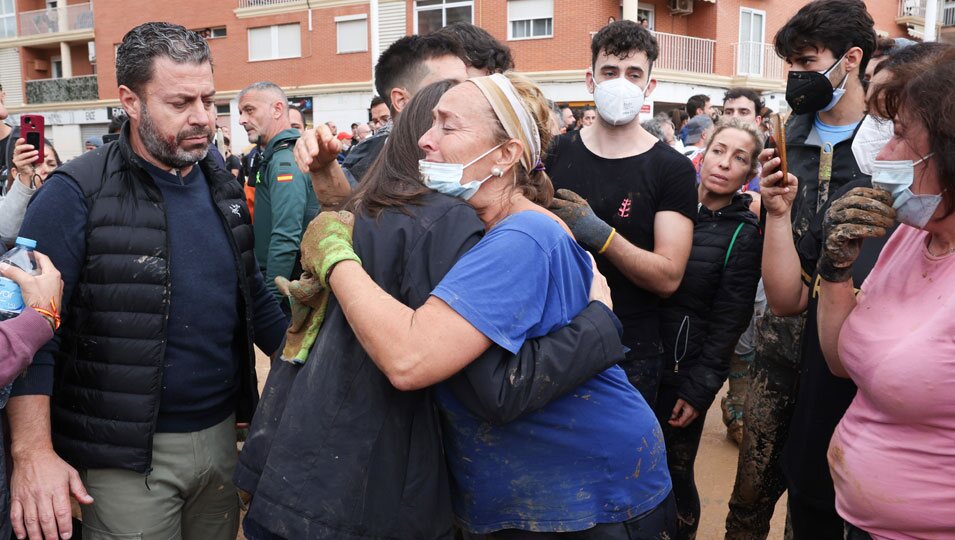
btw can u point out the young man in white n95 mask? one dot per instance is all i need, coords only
(627, 197)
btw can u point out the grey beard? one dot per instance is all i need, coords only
(170, 155)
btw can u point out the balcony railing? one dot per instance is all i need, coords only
(265, 3)
(65, 18)
(82, 88)
(912, 8)
(757, 59)
(948, 14)
(684, 53)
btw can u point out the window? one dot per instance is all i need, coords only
(222, 109)
(751, 48)
(56, 67)
(646, 11)
(530, 19)
(430, 15)
(211, 33)
(8, 19)
(274, 42)
(352, 33)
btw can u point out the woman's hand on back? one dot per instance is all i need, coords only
(599, 288)
(327, 242)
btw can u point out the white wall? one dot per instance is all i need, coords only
(68, 140)
(342, 108)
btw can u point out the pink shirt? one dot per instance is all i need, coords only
(893, 454)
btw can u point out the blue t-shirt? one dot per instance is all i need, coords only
(593, 456)
(833, 134)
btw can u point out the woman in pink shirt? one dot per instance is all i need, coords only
(892, 456)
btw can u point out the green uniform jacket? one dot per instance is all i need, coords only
(284, 206)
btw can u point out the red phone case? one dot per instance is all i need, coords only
(32, 130)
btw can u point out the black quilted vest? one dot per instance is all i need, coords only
(109, 373)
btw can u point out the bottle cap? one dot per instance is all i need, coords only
(26, 242)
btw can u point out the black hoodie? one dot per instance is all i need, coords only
(703, 320)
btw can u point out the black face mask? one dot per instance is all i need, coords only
(809, 91)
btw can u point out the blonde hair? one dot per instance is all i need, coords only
(534, 183)
(750, 129)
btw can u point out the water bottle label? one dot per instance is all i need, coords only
(10, 297)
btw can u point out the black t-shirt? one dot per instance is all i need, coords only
(822, 398)
(627, 193)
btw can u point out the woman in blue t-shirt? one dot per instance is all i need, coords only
(593, 460)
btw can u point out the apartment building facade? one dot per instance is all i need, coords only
(57, 57)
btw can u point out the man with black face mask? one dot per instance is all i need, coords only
(827, 45)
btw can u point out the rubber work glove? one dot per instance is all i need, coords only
(309, 301)
(588, 229)
(861, 213)
(327, 242)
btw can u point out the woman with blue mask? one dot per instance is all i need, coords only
(591, 464)
(894, 337)
(335, 449)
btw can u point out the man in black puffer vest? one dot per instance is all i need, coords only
(162, 303)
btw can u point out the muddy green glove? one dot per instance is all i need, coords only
(861, 213)
(308, 300)
(327, 242)
(588, 229)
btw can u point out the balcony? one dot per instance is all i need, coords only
(62, 90)
(265, 3)
(684, 53)
(757, 59)
(259, 8)
(912, 16)
(66, 18)
(910, 11)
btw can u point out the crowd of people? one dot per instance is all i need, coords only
(491, 317)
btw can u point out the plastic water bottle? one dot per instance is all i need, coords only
(21, 256)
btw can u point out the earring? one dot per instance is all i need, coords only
(497, 172)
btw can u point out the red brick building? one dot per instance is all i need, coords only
(57, 56)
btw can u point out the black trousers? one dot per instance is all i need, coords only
(682, 446)
(855, 533)
(657, 524)
(811, 522)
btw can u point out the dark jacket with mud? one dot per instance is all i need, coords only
(109, 377)
(337, 452)
(703, 320)
(803, 147)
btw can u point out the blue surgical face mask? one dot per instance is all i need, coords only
(446, 177)
(896, 177)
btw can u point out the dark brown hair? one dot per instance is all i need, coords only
(393, 180)
(921, 91)
(837, 25)
(402, 64)
(621, 39)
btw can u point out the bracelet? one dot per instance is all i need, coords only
(51, 315)
(613, 231)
